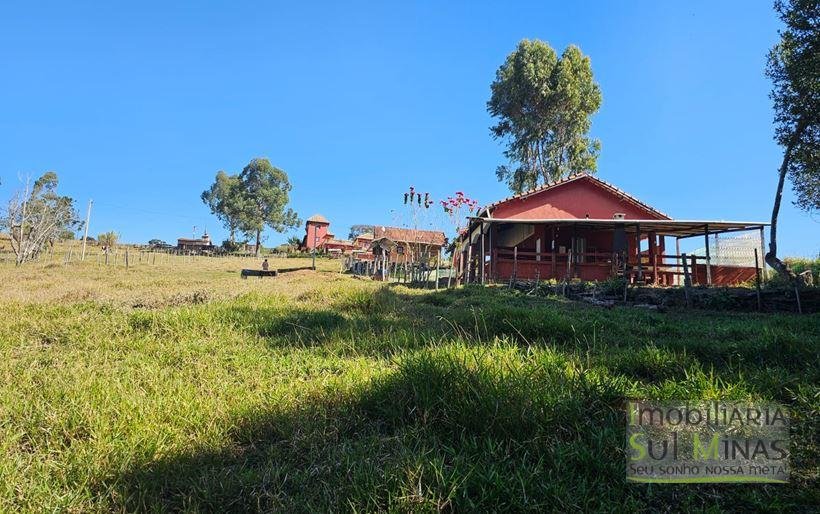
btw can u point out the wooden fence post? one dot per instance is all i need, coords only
(687, 280)
(708, 256)
(126, 259)
(438, 267)
(757, 282)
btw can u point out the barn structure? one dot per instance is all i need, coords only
(582, 227)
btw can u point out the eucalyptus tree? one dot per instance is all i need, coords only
(544, 104)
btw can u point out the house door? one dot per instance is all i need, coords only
(579, 247)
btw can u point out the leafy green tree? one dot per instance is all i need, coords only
(108, 239)
(263, 198)
(157, 243)
(231, 246)
(224, 198)
(294, 242)
(794, 68)
(37, 216)
(357, 230)
(543, 105)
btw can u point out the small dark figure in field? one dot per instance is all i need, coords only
(265, 265)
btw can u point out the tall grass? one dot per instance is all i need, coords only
(182, 387)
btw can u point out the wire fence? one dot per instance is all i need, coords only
(733, 251)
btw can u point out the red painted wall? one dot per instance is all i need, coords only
(575, 199)
(724, 275)
(311, 238)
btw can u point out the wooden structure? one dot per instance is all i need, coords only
(411, 245)
(245, 273)
(582, 227)
(203, 244)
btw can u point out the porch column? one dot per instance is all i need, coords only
(469, 261)
(638, 250)
(653, 257)
(661, 252)
(483, 254)
(574, 250)
(763, 253)
(679, 269)
(708, 257)
(491, 252)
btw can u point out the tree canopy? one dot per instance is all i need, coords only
(224, 200)
(37, 215)
(794, 68)
(357, 230)
(543, 104)
(255, 198)
(108, 239)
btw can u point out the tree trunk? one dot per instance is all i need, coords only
(258, 232)
(771, 256)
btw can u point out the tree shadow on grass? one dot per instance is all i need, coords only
(447, 430)
(642, 345)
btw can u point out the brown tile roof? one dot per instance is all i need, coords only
(318, 218)
(341, 242)
(408, 235)
(606, 185)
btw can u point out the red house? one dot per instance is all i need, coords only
(582, 227)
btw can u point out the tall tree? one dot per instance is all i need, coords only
(37, 215)
(357, 230)
(543, 104)
(224, 200)
(794, 67)
(264, 196)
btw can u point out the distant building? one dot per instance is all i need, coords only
(408, 245)
(362, 241)
(318, 236)
(316, 232)
(204, 243)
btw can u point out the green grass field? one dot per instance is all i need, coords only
(178, 386)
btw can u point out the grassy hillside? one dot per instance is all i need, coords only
(177, 385)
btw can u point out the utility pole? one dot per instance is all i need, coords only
(87, 220)
(315, 240)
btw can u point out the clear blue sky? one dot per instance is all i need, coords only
(137, 106)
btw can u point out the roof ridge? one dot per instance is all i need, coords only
(572, 178)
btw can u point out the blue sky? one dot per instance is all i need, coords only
(137, 106)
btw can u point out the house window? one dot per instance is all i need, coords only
(400, 250)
